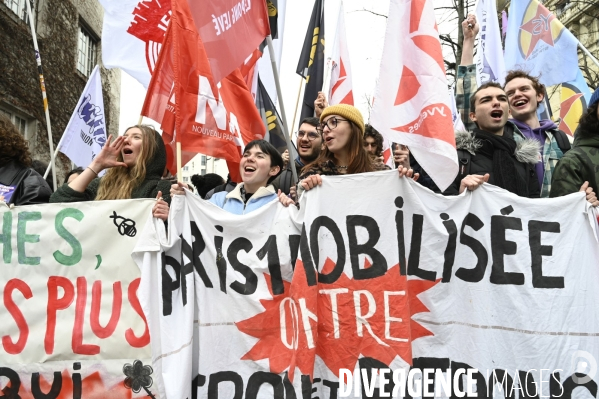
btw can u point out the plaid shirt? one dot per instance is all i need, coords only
(466, 85)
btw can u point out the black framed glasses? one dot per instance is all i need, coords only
(309, 135)
(331, 123)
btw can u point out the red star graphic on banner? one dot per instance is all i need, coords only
(348, 318)
(539, 27)
(266, 326)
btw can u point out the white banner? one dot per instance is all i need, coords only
(85, 134)
(72, 325)
(395, 279)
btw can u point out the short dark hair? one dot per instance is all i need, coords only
(205, 183)
(310, 120)
(76, 171)
(482, 87)
(275, 158)
(518, 73)
(370, 131)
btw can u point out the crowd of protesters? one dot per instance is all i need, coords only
(506, 145)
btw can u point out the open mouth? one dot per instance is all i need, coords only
(328, 139)
(249, 169)
(127, 151)
(497, 114)
(520, 103)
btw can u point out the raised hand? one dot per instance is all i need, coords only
(108, 157)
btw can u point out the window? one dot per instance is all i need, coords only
(186, 168)
(86, 52)
(203, 172)
(20, 121)
(19, 7)
(203, 160)
(185, 178)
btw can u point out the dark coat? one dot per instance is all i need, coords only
(31, 188)
(147, 189)
(580, 164)
(473, 159)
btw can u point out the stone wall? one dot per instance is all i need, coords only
(57, 29)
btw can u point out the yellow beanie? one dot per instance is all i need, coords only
(346, 111)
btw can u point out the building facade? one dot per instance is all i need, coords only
(68, 35)
(202, 164)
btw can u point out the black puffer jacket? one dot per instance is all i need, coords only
(29, 186)
(474, 159)
(147, 189)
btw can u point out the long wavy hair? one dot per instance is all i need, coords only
(119, 182)
(13, 147)
(359, 161)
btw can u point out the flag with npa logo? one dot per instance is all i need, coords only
(409, 107)
(230, 30)
(538, 43)
(132, 35)
(361, 298)
(85, 134)
(574, 96)
(341, 89)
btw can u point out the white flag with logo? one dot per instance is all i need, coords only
(411, 107)
(490, 66)
(85, 134)
(341, 79)
(132, 35)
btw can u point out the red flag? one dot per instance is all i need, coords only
(411, 104)
(230, 30)
(212, 119)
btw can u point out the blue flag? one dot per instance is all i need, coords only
(538, 43)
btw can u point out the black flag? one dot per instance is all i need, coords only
(269, 113)
(311, 62)
(273, 15)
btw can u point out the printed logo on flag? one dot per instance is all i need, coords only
(151, 18)
(572, 107)
(93, 117)
(538, 24)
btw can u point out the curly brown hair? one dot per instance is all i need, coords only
(534, 81)
(14, 147)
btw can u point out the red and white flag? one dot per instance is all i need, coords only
(411, 104)
(132, 35)
(230, 31)
(341, 78)
(212, 118)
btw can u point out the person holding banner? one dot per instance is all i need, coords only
(19, 183)
(525, 94)
(135, 161)
(259, 165)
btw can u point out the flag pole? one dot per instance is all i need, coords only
(179, 171)
(273, 62)
(43, 87)
(299, 92)
(588, 53)
(141, 118)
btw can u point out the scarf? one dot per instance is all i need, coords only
(501, 150)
